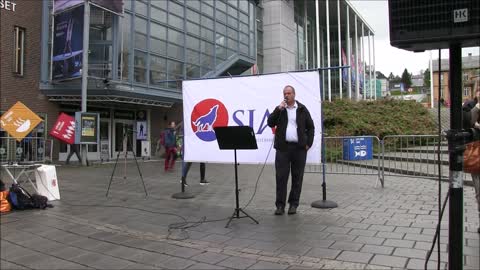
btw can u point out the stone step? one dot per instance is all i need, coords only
(429, 158)
(426, 149)
(416, 169)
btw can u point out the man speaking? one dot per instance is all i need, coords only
(293, 137)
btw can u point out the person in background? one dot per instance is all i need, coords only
(470, 104)
(475, 123)
(74, 149)
(186, 168)
(293, 137)
(170, 144)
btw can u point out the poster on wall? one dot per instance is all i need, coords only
(145, 149)
(142, 130)
(68, 45)
(87, 126)
(212, 103)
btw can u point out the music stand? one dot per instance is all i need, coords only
(233, 138)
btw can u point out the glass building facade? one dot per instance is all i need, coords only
(156, 44)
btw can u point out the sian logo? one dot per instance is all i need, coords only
(206, 115)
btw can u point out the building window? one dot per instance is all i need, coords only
(466, 91)
(19, 50)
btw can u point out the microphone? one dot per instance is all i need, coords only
(285, 99)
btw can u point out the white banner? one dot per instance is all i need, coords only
(242, 101)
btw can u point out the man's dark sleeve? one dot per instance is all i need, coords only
(273, 118)
(310, 128)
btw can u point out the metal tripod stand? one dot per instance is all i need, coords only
(125, 137)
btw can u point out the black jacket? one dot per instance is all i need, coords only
(305, 127)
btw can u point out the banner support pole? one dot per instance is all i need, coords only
(86, 41)
(323, 203)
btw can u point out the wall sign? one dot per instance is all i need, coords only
(87, 126)
(8, 5)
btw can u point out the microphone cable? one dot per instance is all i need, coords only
(260, 174)
(172, 227)
(184, 224)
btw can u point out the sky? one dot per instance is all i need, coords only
(390, 59)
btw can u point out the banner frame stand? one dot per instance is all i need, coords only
(323, 203)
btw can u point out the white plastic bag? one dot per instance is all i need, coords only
(47, 182)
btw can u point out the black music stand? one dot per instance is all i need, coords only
(233, 138)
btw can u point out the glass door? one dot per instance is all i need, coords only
(124, 138)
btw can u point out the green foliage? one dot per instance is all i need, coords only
(426, 78)
(406, 79)
(376, 118)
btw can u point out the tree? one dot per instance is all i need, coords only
(406, 79)
(391, 76)
(426, 78)
(380, 75)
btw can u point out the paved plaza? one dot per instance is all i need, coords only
(372, 228)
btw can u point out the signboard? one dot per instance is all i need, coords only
(8, 5)
(145, 148)
(68, 45)
(357, 148)
(104, 150)
(142, 130)
(19, 121)
(128, 115)
(64, 129)
(141, 115)
(209, 103)
(87, 126)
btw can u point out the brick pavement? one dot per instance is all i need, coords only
(373, 228)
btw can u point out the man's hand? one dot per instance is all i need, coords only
(282, 105)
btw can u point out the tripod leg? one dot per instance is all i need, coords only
(248, 215)
(231, 218)
(138, 167)
(125, 163)
(113, 172)
(140, 173)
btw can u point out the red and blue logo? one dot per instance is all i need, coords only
(206, 115)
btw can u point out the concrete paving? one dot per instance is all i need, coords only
(372, 228)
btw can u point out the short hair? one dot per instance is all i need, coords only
(288, 85)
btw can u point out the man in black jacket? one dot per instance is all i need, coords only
(294, 131)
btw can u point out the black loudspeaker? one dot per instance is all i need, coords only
(418, 25)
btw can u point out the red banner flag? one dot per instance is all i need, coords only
(64, 129)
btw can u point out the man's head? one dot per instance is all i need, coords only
(172, 124)
(477, 95)
(289, 94)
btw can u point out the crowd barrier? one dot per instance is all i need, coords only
(414, 156)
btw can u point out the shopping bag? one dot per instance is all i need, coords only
(471, 158)
(47, 182)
